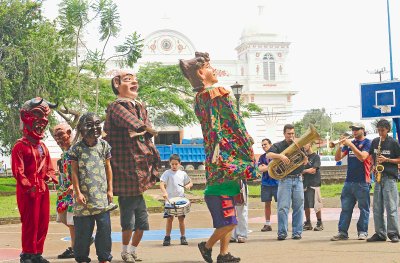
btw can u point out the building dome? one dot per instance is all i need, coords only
(258, 29)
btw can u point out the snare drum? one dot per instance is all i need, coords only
(178, 206)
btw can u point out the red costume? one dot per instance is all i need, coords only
(32, 168)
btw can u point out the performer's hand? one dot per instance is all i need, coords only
(151, 131)
(70, 190)
(284, 158)
(165, 196)
(133, 134)
(347, 142)
(81, 199)
(110, 196)
(187, 187)
(382, 159)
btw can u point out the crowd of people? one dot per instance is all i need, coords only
(121, 160)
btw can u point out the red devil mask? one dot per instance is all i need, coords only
(34, 114)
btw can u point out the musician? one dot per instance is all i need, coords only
(228, 148)
(385, 192)
(269, 186)
(290, 188)
(358, 182)
(312, 189)
(135, 161)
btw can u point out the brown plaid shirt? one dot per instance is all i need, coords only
(135, 161)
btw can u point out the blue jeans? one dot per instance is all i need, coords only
(352, 193)
(386, 196)
(290, 191)
(84, 226)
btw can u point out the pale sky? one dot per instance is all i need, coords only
(333, 42)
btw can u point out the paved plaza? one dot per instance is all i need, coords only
(260, 247)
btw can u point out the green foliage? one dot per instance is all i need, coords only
(34, 62)
(167, 94)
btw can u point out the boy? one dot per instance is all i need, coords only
(93, 192)
(176, 181)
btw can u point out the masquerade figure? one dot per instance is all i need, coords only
(62, 134)
(135, 161)
(32, 169)
(93, 192)
(229, 152)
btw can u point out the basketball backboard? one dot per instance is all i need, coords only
(380, 99)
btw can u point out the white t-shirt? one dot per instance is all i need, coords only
(173, 180)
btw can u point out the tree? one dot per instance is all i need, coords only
(316, 117)
(75, 16)
(34, 61)
(167, 94)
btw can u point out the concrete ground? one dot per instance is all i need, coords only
(260, 246)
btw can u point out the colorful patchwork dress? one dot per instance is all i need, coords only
(65, 202)
(228, 146)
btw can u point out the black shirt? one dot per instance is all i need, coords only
(390, 148)
(313, 180)
(280, 147)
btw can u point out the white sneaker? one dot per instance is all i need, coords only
(362, 236)
(128, 257)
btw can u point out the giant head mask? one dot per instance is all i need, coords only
(190, 69)
(34, 115)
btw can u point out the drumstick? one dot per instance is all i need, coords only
(185, 189)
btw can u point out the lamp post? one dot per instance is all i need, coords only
(237, 91)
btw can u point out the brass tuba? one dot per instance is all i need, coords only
(278, 169)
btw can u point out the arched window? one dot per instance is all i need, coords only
(269, 66)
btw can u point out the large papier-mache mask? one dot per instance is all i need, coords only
(190, 67)
(34, 115)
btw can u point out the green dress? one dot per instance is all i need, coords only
(228, 146)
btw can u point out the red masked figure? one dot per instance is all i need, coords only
(32, 168)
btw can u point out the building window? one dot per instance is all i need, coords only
(269, 66)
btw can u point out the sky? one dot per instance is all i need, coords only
(335, 44)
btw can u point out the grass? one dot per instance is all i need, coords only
(9, 207)
(329, 190)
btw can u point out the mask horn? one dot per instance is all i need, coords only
(34, 104)
(51, 105)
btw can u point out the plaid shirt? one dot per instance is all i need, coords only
(135, 161)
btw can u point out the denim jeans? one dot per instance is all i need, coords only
(352, 193)
(290, 192)
(386, 196)
(84, 226)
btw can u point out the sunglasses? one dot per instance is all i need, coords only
(355, 129)
(264, 144)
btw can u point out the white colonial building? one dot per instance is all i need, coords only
(261, 67)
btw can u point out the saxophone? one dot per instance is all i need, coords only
(378, 167)
(278, 169)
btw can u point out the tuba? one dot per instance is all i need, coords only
(278, 169)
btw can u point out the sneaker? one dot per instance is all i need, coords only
(307, 226)
(205, 252)
(184, 241)
(362, 236)
(394, 238)
(127, 257)
(241, 239)
(68, 253)
(266, 228)
(339, 237)
(26, 258)
(281, 237)
(296, 237)
(227, 258)
(376, 237)
(319, 226)
(167, 241)
(39, 259)
(232, 240)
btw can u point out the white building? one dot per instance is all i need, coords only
(261, 67)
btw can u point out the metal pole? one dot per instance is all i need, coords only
(395, 121)
(237, 104)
